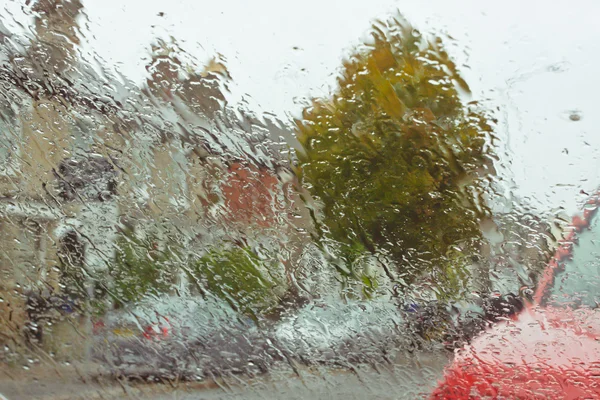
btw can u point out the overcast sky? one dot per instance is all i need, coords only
(535, 63)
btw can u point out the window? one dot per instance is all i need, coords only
(350, 191)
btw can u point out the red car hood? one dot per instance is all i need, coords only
(543, 353)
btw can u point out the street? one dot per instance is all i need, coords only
(410, 377)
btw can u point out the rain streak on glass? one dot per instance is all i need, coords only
(328, 200)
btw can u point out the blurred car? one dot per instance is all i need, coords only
(183, 337)
(334, 332)
(551, 349)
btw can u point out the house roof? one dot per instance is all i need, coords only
(177, 102)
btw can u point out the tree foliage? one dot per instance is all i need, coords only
(141, 269)
(395, 159)
(238, 276)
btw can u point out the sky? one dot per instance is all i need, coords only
(534, 63)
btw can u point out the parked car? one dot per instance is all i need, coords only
(330, 331)
(174, 336)
(551, 349)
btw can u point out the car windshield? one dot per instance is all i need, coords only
(318, 199)
(577, 279)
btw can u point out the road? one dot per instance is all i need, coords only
(411, 377)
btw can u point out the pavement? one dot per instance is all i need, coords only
(48, 380)
(410, 376)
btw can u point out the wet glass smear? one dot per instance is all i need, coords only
(325, 200)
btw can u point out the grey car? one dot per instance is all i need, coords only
(185, 337)
(340, 332)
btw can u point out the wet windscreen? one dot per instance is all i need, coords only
(324, 200)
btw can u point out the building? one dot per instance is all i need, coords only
(84, 156)
(52, 127)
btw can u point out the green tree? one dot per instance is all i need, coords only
(397, 162)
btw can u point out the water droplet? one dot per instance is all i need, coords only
(575, 116)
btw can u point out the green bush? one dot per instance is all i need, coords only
(141, 269)
(240, 277)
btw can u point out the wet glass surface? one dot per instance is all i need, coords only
(320, 200)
